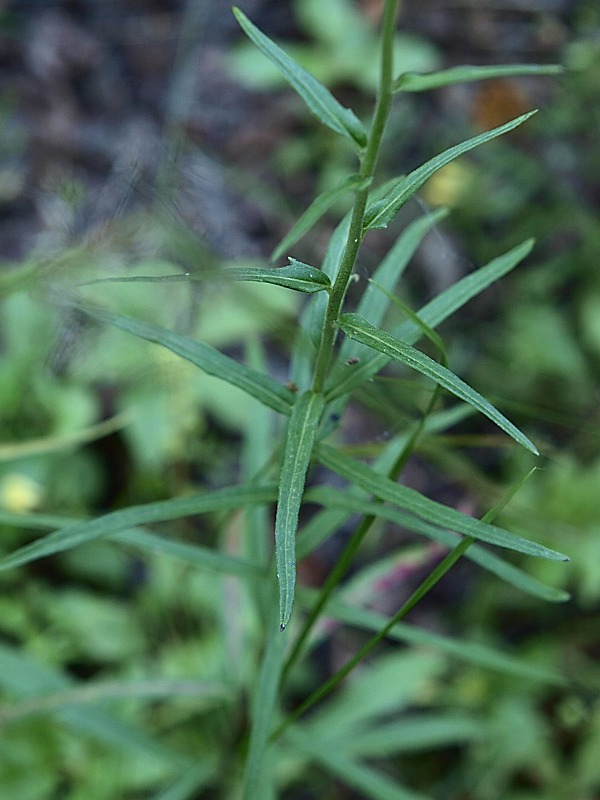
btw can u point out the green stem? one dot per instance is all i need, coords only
(367, 170)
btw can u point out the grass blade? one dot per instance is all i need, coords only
(416, 734)
(315, 211)
(319, 100)
(380, 213)
(257, 384)
(82, 532)
(416, 82)
(423, 508)
(297, 454)
(362, 331)
(432, 314)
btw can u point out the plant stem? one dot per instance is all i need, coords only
(367, 170)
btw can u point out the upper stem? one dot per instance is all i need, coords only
(367, 170)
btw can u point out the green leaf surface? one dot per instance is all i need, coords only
(301, 431)
(423, 508)
(319, 100)
(298, 276)
(315, 211)
(413, 734)
(421, 82)
(259, 767)
(433, 313)
(82, 532)
(381, 212)
(358, 328)
(257, 384)
(24, 677)
(334, 500)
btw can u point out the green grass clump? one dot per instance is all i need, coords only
(240, 722)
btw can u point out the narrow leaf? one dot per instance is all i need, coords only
(413, 734)
(358, 328)
(298, 276)
(258, 765)
(82, 532)
(422, 507)
(372, 305)
(319, 100)
(432, 314)
(297, 453)
(380, 213)
(315, 211)
(257, 384)
(417, 82)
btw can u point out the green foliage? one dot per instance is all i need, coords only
(219, 574)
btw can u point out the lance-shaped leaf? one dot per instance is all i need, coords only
(381, 212)
(318, 99)
(421, 82)
(315, 211)
(298, 276)
(432, 314)
(372, 304)
(257, 384)
(422, 507)
(362, 331)
(334, 499)
(302, 427)
(82, 532)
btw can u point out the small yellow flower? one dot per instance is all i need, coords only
(448, 185)
(19, 493)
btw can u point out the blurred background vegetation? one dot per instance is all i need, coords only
(146, 136)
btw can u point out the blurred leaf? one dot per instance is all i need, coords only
(415, 82)
(367, 781)
(22, 675)
(298, 276)
(212, 361)
(318, 99)
(474, 653)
